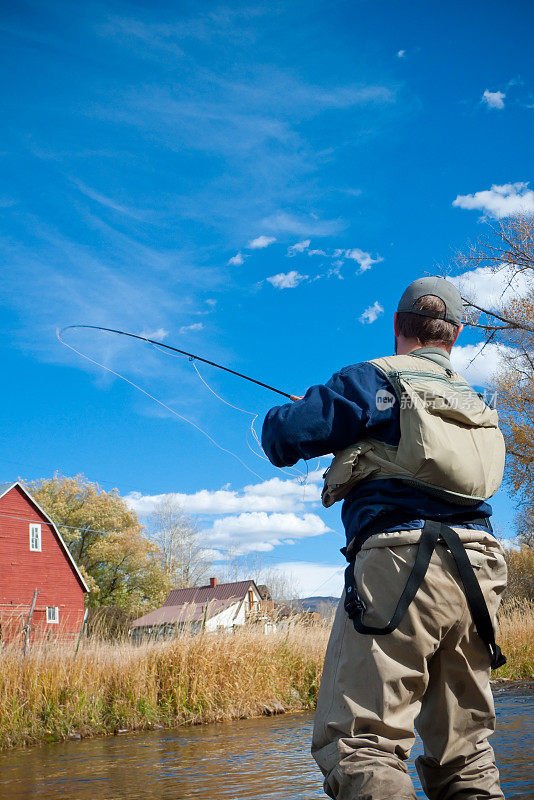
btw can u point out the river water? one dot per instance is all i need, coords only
(258, 759)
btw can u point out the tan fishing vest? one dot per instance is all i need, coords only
(450, 443)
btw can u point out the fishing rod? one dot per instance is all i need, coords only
(191, 356)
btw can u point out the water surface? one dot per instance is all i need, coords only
(259, 759)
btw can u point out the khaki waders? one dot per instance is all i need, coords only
(431, 673)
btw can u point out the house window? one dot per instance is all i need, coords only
(35, 536)
(52, 614)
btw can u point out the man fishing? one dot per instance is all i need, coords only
(417, 455)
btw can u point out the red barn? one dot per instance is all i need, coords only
(34, 556)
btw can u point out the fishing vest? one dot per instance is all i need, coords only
(450, 443)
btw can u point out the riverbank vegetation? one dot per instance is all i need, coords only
(53, 694)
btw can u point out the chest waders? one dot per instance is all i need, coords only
(450, 447)
(432, 532)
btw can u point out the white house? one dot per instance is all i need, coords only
(217, 606)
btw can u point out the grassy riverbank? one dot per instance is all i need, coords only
(52, 694)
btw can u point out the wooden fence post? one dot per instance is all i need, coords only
(81, 631)
(28, 627)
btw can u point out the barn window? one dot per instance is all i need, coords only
(35, 536)
(52, 614)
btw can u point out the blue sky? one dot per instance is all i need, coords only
(253, 182)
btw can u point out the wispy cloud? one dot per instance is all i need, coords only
(493, 99)
(501, 200)
(372, 313)
(237, 260)
(401, 53)
(287, 280)
(159, 333)
(193, 328)
(112, 204)
(298, 247)
(365, 260)
(261, 242)
(297, 225)
(337, 257)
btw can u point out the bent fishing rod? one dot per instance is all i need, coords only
(191, 356)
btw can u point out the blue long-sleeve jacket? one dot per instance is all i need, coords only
(335, 415)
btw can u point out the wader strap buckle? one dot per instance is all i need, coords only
(432, 531)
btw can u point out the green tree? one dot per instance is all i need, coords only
(121, 566)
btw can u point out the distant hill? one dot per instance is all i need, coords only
(318, 603)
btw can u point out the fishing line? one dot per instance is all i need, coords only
(253, 414)
(170, 350)
(151, 396)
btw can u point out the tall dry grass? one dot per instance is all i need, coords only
(516, 638)
(52, 693)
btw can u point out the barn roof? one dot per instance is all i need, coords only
(203, 594)
(6, 487)
(188, 612)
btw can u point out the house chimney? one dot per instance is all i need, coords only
(213, 583)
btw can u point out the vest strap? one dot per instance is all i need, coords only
(431, 533)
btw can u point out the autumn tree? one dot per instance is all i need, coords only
(121, 566)
(182, 554)
(506, 253)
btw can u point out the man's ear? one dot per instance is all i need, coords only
(458, 332)
(395, 326)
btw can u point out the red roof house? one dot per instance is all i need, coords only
(34, 556)
(216, 606)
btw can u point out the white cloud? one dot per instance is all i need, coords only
(401, 53)
(493, 99)
(299, 247)
(272, 495)
(490, 289)
(259, 531)
(236, 260)
(485, 364)
(287, 280)
(261, 241)
(159, 333)
(500, 201)
(372, 313)
(314, 579)
(365, 260)
(196, 326)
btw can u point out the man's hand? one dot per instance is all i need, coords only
(295, 397)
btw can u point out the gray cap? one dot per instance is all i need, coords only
(438, 287)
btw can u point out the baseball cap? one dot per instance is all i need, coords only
(438, 287)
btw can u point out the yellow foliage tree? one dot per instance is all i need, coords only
(121, 566)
